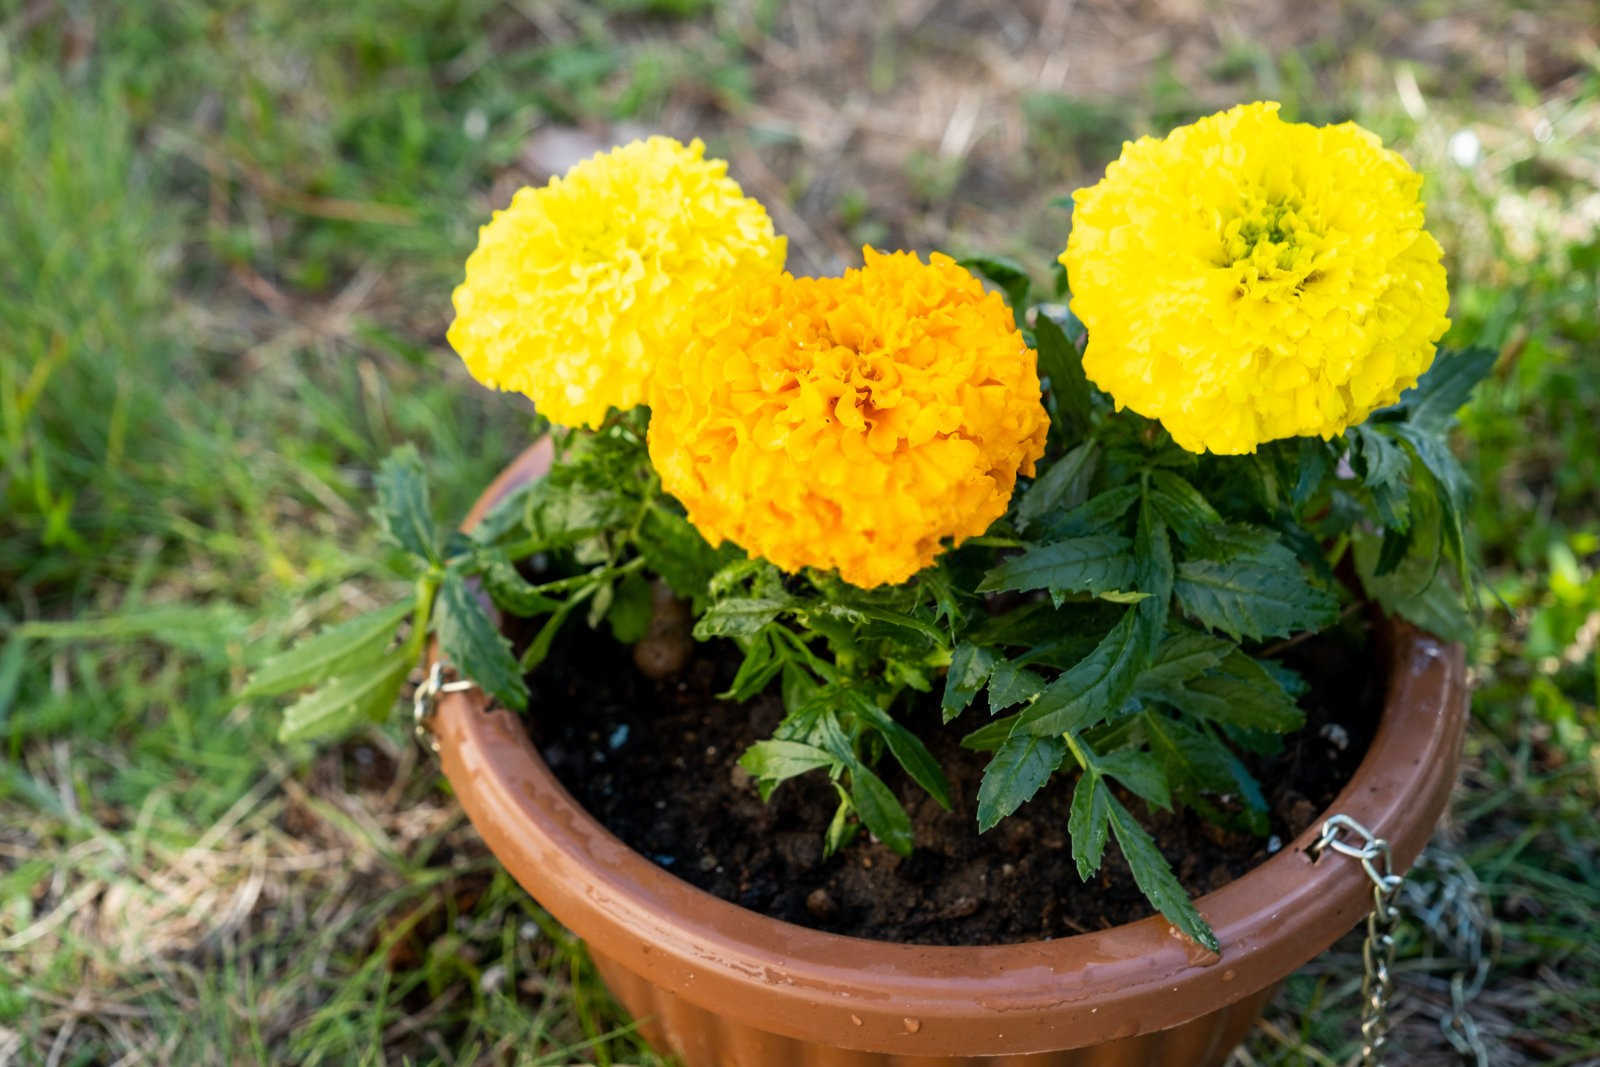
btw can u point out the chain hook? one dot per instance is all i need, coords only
(1377, 951)
(426, 699)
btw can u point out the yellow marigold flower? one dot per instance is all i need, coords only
(576, 288)
(1245, 279)
(853, 422)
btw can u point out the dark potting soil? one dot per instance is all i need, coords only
(657, 763)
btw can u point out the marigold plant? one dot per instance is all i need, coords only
(1245, 279)
(897, 499)
(576, 288)
(853, 423)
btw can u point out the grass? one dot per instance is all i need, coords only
(227, 238)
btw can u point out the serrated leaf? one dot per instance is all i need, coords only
(1155, 878)
(513, 593)
(1312, 465)
(907, 749)
(970, 665)
(1092, 516)
(991, 736)
(880, 810)
(759, 666)
(1186, 510)
(1062, 487)
(1020, 767)
(776, 761)
(1094, 688)
(675, 550)
(631, 609)
(1446, 387)
(345, 703)
(738, 617)
(1062, 364)
(1228, 698)
(403, 513)
(1155, 574)
(1417, 590)
(1386, 472)
(1139, 772)
(1087, 823)
(1262, 592)
(1181, 657)
(1010, 684)
(1092, 564)
(340, 649)
(1008, 275)
(841, 831)
(506, 514)
(469, 639)
(1192, 758)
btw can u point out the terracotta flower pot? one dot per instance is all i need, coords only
(721, 986)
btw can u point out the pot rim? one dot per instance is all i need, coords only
(953, 1000)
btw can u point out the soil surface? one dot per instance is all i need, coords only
(657, 763)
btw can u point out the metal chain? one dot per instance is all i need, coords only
(1377, 951)
(427, 696)
(1448, 905)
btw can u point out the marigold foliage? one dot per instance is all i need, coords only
(576, 288)
(1246, 279)
(850, 423)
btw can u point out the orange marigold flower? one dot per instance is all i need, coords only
(851, 423)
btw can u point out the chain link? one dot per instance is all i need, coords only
(1377, 951)
(426, 698)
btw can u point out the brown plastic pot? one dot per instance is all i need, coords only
(721, 986)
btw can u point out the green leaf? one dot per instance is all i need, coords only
(1008, 275)
(513, 593)
(991, 736)
(1446, 387)
(1152, 547)
(1181, 657)
(631, 609)
(1092, 564)
(1095, 688)
(403, 513)
(1262, 592)
(1020, 767)
(1155, 878)
(1186, 510)
(1061, 363)
(738, 617)
(776, 761)
(1192, 758)
(337, 650)
(539, 647)
(1095, 514)
(675, 550)
(1010, 684)
(969, 671)
(469, 639)
(880, 811)
(506, 515)
(841, 831)
(1140, 772)
(1062, 487)
(1258, 703)
(1314, 461)
(1417, 590)
(907, 748)
(1088, 822)
(1386, 472)
(347, 702)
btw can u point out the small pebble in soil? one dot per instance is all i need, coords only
(1335, 735)
(820, 904)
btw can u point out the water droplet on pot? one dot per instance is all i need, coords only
(856, 1019)
(1228, 975)
(912, 1025)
